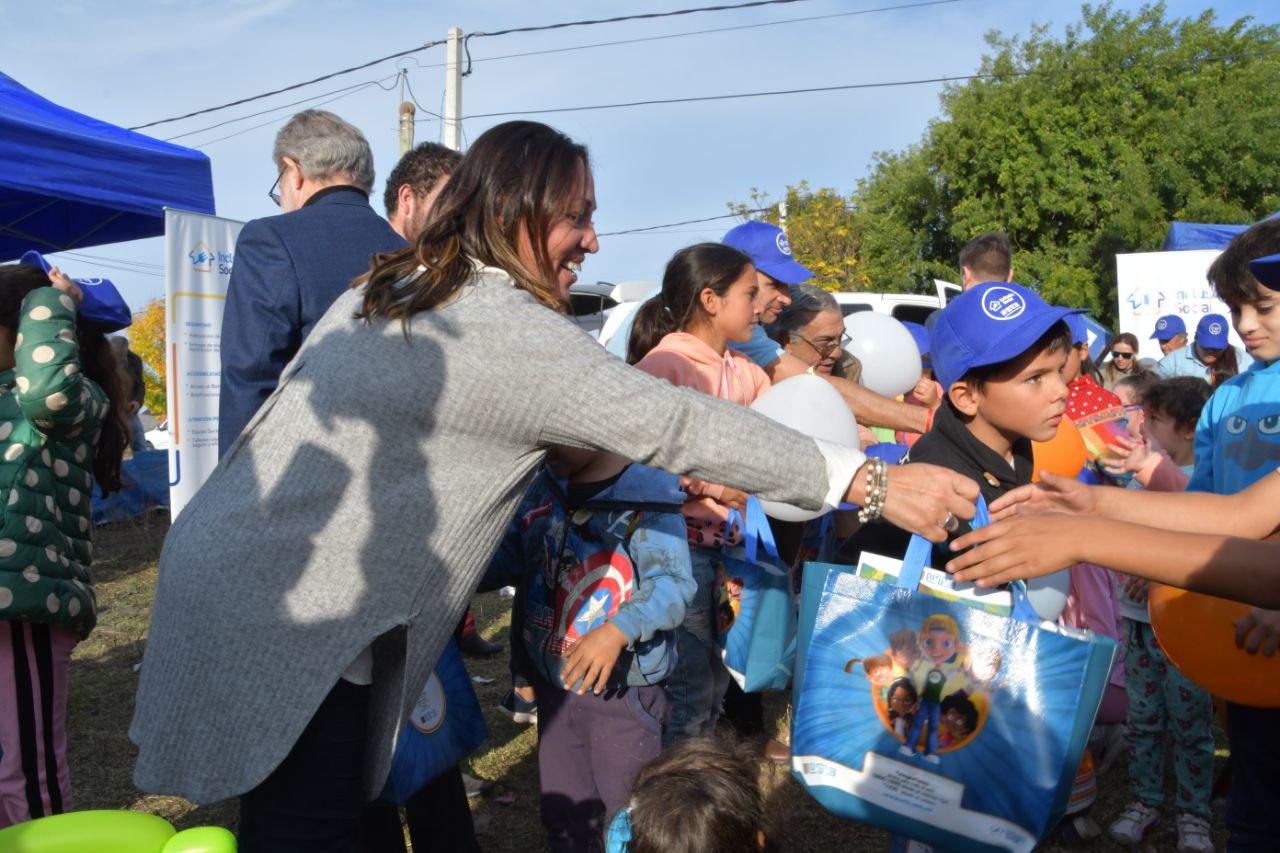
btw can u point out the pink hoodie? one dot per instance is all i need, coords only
(686, 361)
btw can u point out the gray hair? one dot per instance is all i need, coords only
(807, 302)
(326, 147)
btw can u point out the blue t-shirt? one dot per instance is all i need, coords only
(761, 349)
(1183, 362)
(1238, 436)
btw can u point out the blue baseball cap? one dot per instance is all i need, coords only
(1266, 271)
(1079, 331)
(989, 324)
(1169, 326)
(769, 250)
(921, 336)
(1211, 331)
(102, 305)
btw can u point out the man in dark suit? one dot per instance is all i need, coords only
(290, 268)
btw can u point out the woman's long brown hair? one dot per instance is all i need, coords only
(514, 182)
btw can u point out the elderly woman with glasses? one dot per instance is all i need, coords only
(1123, 361)
(811, 328)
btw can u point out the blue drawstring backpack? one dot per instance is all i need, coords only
(446, 726)
(102, 305)
(936, 719)
(757, 615)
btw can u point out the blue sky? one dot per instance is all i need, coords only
(148, 59)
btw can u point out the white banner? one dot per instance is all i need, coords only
(199, 251)
(1152, 284)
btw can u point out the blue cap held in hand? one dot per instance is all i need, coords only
(1211, 332)
(102, 306)
(989, 324)
(1266, 271)
(769, 250)
(921, 336)
(1168, 326)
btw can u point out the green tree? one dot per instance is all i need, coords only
(1079, 146)
(821, 230)
(146, 338)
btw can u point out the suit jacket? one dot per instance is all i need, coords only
(363, 502)
(288, 270)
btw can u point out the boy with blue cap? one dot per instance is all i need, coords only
(1211, 358)
(1171, 332)
(776, 270)
(998, 351)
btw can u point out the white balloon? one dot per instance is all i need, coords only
(889, 356)
(1048, 595)
(809, 405)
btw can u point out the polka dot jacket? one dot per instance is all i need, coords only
(50, 416)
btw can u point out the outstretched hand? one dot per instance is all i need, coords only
(1259, 631)
(920, 497)
(1051, 494)
(1017, 548)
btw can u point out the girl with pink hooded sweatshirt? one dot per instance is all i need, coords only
(708, 300)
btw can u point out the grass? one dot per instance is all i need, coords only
(104, 679)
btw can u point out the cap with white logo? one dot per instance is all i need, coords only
(769, 250)
(1211, 332)
(989, 324)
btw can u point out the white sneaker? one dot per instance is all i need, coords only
(933, 759)
(507, 592)
(1134, 823)
(906, 750)
(1193, 834)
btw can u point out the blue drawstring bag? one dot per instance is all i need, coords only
(756, 613)
(934, 718)
(446, 726)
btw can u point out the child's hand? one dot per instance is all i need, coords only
(734, 499)
(59, 279)
(1259, 630)
(1125, 456)
(592, 658)
(1136, 588)
(926, 393)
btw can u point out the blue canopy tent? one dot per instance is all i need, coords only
(68, 181)
(1184, 236)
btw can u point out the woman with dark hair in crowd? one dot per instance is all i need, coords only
(307, 590)
(62, 427)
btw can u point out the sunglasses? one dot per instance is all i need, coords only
(1118, 354)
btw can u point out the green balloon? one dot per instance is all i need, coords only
(201, 839)
(96, 831)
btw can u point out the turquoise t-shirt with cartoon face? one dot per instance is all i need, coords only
(1238, 436)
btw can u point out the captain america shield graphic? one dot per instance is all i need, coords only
(590, 593)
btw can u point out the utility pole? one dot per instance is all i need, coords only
(452, 118)
(406, 119)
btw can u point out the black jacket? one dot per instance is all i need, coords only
(949, 445)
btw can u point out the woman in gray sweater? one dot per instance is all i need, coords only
(306, 592)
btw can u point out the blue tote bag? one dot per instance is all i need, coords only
(446, 726)
(756, 612)
(934, 718)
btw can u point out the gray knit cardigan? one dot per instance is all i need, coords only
(361, 506)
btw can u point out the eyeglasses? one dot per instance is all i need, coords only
(829, 347)
(271, 193)
(1119, 354)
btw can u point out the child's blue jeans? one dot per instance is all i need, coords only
(698, 682)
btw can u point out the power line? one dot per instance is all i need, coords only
(957, 78)
(82, 256)
(431, 44)
(275, 109)
(640, 17)
(685, 222)
(688, 33)
(271, 121)
(319, 79)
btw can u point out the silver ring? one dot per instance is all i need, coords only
(950, 523)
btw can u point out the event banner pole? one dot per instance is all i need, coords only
(199, 251)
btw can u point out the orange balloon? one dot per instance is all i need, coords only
(1197, 633)
(1064, 454)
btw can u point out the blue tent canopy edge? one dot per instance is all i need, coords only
(70, 181)
(1184, 236)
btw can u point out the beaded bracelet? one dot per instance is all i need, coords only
(877, 487)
